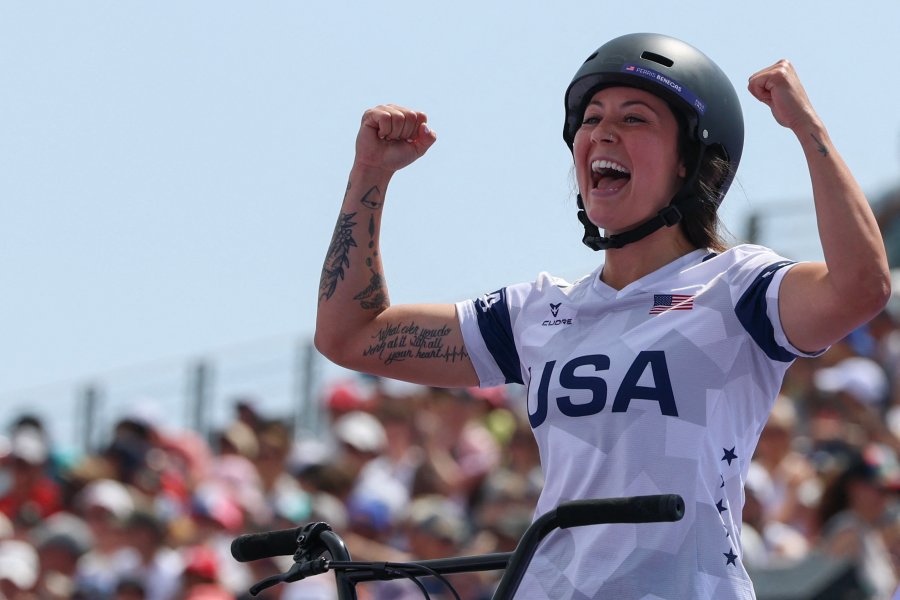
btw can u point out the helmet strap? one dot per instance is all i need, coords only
(668, 216)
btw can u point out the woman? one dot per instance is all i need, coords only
(656, 372)
(853, 516)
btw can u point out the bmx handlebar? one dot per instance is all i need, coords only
(313, 540)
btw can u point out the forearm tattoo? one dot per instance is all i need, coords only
(338, 256)
(372, 198)
(403, 341)
(373, 296)
(823, 150)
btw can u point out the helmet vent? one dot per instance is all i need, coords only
(657, 58)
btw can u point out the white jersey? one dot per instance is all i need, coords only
(661, 387)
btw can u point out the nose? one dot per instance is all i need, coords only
(603, 133)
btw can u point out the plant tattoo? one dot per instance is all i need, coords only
(338, 256)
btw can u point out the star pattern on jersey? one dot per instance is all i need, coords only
(730, 557)
(729, 455)
(721, 506)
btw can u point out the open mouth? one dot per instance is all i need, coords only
(609, 175)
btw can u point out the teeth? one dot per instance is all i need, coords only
(598, 165)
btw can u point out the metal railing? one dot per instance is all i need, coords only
(281, 376)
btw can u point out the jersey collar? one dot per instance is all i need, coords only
(650, 281)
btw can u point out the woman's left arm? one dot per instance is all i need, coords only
(821, 302)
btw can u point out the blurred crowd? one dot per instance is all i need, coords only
(403, 472)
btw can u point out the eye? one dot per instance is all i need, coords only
(634, 119)
(591, 116)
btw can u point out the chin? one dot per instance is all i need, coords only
(605, 222)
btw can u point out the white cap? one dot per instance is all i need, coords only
(863, 378)
(108, 494)
(144, 412)
(30, 445)
(18, 563)
(360, 430)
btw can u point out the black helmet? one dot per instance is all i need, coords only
(675, 71)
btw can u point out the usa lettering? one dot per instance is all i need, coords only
(565, 377)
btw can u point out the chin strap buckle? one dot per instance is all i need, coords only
(670, 215)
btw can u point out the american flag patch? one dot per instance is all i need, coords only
(666, 302)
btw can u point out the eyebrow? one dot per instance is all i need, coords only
(626, 104)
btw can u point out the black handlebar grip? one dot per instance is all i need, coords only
(254, 546)
(635, 509)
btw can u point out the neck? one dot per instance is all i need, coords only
(626, 265)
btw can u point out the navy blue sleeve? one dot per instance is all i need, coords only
(496, 330)
(751, 312)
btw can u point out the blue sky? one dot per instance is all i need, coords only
(170, 172)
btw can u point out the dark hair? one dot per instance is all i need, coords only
(701, 223)
(836, 495)
(699, 209)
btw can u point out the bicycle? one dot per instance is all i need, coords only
(310, 544)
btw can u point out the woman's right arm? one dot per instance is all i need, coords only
(356, 327)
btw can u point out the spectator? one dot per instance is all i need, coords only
(360, 437)
(105, 505)
(246, 410)
(459, 449)
(859, 388)
(787, 470)
(218, 518)
(129, 588)
(402, 454)
(767, 541)
(509, 493)
(852, 512)
(159, 567)
(275, 441)
(31, 494)
(233, 468)
(885, 332)
(381, 466)
(18, 569)
(434, 527)
(57, 462)
(61, 541)
(201, 577)
(858, 377)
